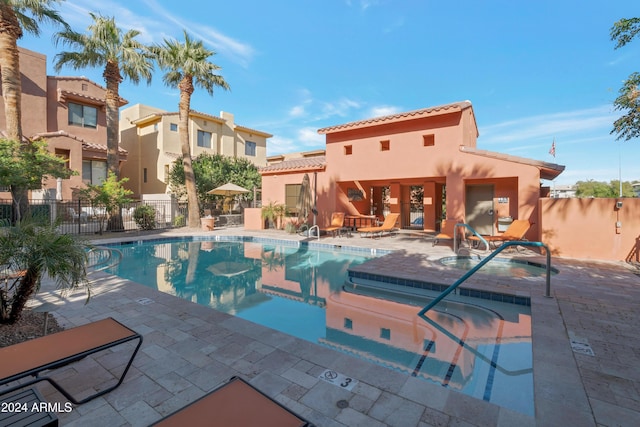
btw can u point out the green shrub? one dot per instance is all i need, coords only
(145, 217)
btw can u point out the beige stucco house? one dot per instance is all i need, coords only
(150, 135)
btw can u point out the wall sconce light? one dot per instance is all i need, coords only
(619, 204)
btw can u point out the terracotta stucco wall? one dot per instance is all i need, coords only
(586, 228)
(33, 70)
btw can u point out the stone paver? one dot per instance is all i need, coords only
(189, 349)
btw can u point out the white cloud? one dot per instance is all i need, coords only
(297, 111)
(237, 51)
(383, 110)
(548, 126)
(279, 145)
(309, 137)
(340, 108)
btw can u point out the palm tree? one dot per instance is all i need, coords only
(30, 251)
(17, 16)
(120, 54)
(187, 65)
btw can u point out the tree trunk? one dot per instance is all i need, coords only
(10, 32)
(27, 286)
(186, 89)
(113, 78)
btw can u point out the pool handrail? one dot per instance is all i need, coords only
(473, 231)
(485, 261)
(109, 262)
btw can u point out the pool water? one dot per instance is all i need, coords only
(478, 347)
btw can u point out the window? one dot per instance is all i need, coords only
(385, 145)
(204, 139)
(385, 333)
(63, 154)
(83, 115)
(348, 149)
(428, 140)
(348, 323)
(94, 171)
(173, 127)
(144, 175)
(250, 148)
(292, 192)
(85, 87)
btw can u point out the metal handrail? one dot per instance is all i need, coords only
(106, 263)
(485, 261)
(475, 233)
(317, 228)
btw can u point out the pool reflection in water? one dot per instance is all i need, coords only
(481, 348)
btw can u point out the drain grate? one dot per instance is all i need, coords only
(580, 345)
(144, 301)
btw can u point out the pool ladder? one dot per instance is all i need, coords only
(485, 261)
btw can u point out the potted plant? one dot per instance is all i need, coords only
(280, 210)
(273, 214)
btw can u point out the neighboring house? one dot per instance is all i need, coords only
(432, 149)
(563, 191)
(151, 137)
(69, 113)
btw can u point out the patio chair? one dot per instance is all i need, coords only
(515, 231)
(388, 225)
(446, 231)
(236, 403)
(75, 217)
(337, 224)
(31, 358)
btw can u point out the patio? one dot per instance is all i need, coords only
(190, 349)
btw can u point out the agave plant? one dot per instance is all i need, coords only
(28, 251)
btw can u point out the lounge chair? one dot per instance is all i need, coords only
(515, 231)
(388, 225)
(447, 227)
(31, 358)
(75, 217)
(337, 224)
(236, 403)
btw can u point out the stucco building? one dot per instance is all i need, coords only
(377, 165)
(151, 137)
(69, 113)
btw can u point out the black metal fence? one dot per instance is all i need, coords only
(81, 217)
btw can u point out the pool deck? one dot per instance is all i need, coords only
(190, 349)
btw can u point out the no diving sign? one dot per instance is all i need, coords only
(338, 379)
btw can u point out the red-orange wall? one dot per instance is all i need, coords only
(586, 228)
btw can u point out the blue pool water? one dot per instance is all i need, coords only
(478, 347)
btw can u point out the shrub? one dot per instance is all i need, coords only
(145, 217)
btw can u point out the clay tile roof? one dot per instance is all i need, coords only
(85, 144)
(424, 112)
(296, 165)
(547, 170)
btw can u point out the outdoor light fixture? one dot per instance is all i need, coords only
(619, 204)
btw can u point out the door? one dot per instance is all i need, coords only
(479, 208)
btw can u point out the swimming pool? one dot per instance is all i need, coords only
(481, 348)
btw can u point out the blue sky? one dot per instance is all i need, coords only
(535, 72)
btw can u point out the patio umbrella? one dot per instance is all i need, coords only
(228, 190)
(304, 204)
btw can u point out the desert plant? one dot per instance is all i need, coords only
(145, 217)
(30, 250)
(272, 212)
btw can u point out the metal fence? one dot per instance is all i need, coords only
(81, 217)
